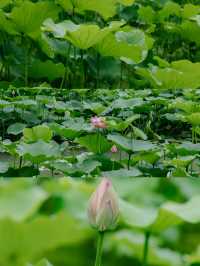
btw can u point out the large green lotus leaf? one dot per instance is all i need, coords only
(87, 166)
(146, 14)
(86, 36)
(39, 151)
(185, 149)
(135, 216)
(172, 213)
(169, 214)
(46, 69)
(42, 234)
(162, 78)
(190, 30)
(53, 47)
(188, 146)
(95, 107)
(181, 74)
(168, 10)
(28, 17)
(106, 8)
(80, 168)
(131, 145)
(41, 132)
(122, 125)
(185, 105)
(151, 157)
(129, 46)
(5, 24)
(123, 173)
(188, 211)
(16, 128)
(124, 103)
(138, 133)
(180, 162)
(96, 143)
(63, 131)
(19, 201)
(59, 30)
(193, 119)
(190, 71)
(131, 244)
(75, 195)
(77, 124)
(190, 10)
(82, 36)
(25, 103)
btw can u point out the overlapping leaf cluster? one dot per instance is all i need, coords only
(100, 43)
(155, 135)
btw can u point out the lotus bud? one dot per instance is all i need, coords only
(98, 122)
(103, 209)
(114, 149)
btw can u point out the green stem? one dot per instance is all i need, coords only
(192, 135)
(65, 74)
(129, 160)
(20, 162)
(83, 69)
(99, 249)
(98, 70)
(146, 249)
(121, 74)
(99, 141)
(113, 165)
(26, 65)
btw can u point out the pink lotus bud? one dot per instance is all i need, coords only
(98, 122)
(103, 210)
(114, 149)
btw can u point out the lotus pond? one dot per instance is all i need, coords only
(99, 132)
(144, 133)
(132, 65)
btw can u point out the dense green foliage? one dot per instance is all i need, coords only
(155, 135)
(74, 44)
(49, 221)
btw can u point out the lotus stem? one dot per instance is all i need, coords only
(129, 160)
(99, 141)
(98, 71)
(99, 248)
(65, 74)
(146, 249)
(20, 162)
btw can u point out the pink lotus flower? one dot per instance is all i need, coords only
(114, 149)
(98, 122)
(103, 209)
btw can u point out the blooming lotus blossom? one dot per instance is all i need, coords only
(98, 122)
(103, 209)
(114, 149)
